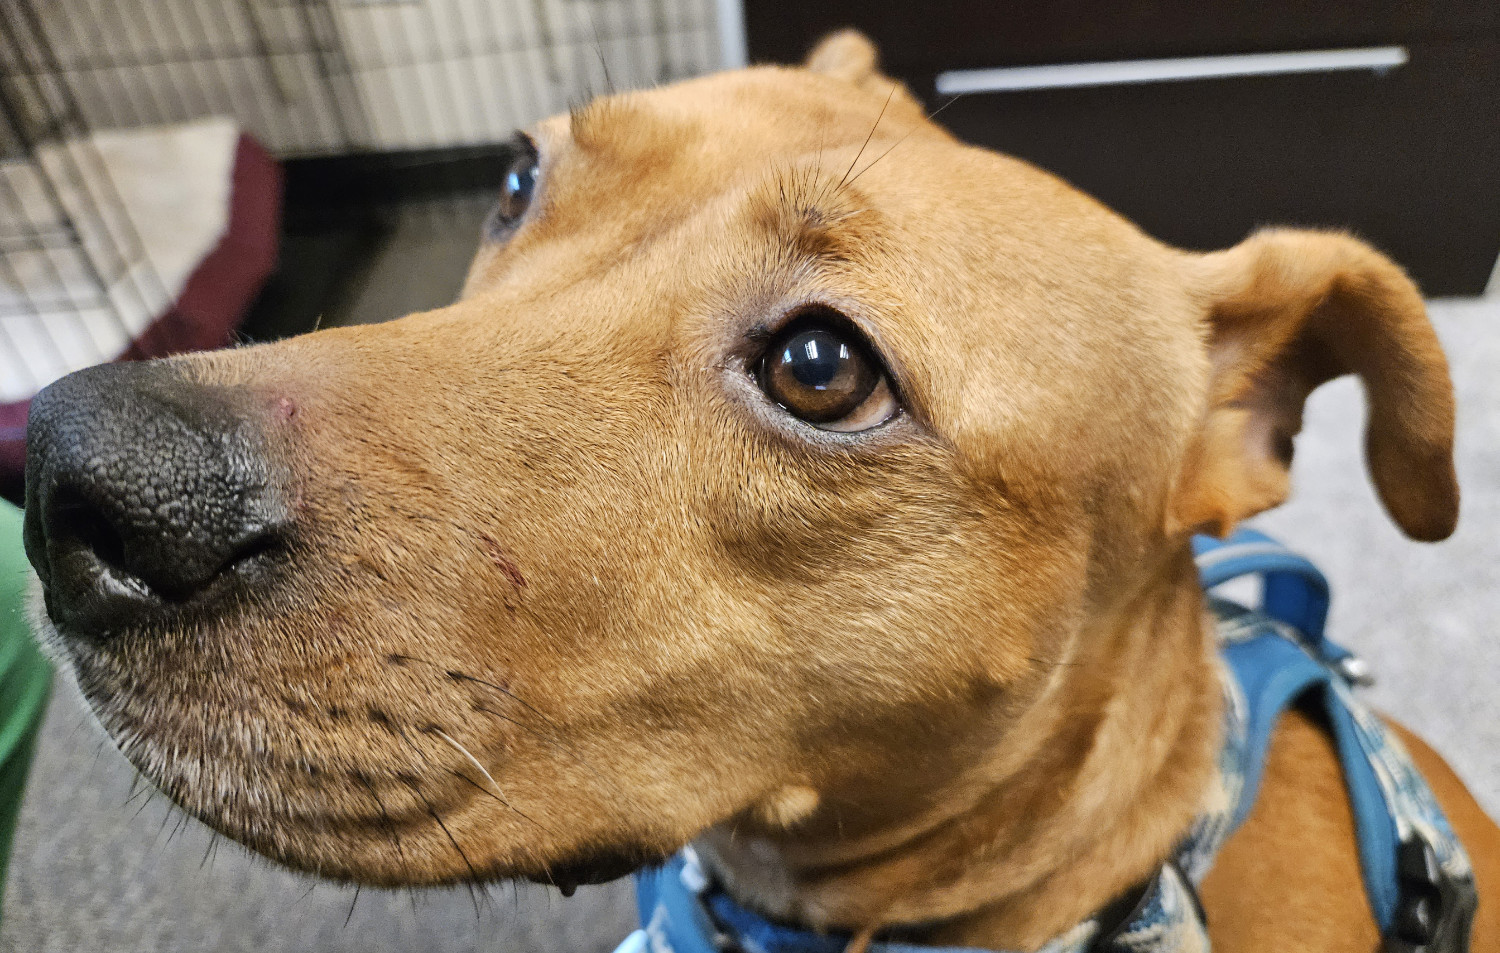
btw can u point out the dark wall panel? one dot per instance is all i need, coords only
(1408, 159)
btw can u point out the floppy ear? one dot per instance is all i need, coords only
(1288, 310)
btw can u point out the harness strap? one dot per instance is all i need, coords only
(1416, 876)
(1274, 673)
(1295, 591)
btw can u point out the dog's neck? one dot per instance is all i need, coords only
(1080, 798)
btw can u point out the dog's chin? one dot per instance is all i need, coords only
(379, 823)
(376, 830)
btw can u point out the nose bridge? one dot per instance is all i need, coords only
(492, 401)
(498, 339)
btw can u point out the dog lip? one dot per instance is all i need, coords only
(370, 802)
(572, 872)
(386, 793)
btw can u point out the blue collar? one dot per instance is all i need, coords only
(1416, 874)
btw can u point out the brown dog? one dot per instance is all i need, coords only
(813, 487)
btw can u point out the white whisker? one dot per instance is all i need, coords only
(472, 760)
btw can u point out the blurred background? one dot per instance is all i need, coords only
(184, 174)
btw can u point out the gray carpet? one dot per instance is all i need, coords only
(89, 874)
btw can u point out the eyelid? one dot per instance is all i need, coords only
(764, 332)
(526, 140)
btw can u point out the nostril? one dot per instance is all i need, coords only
(150, 561)
(269, 543)
(74, 521)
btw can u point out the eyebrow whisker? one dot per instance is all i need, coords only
(930, 116)
(889, 96)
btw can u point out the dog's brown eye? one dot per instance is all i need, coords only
(823, 372)
(516, 189)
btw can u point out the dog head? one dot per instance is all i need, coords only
(779, 451)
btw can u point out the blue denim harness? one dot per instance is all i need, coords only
(1416, 874)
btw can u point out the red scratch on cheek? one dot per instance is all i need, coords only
(502, 559)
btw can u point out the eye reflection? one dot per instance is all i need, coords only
(517, 188)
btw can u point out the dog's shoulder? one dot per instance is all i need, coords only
(1289, 878)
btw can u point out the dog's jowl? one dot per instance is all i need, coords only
(792, 481)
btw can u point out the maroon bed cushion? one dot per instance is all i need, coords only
(213, 301)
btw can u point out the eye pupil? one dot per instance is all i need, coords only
(520, 182)
(815, 357)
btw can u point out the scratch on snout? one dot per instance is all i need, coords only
(502, 559)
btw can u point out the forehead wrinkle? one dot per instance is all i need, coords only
(812, 218)
(624, 124)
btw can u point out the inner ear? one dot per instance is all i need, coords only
(1286, 311)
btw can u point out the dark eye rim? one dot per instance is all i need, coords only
(497, 226)
(771, 339)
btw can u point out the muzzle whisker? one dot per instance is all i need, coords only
(519, 724)
(482, 789)
(462, 676)
(1034, 660)
(182, 821)
(139, 790)
(555, 745)
(468, 755)
(165, 817)
(550, 737)
(432, 812)
(306, 893)
(473, 872)
(213, 841)
(465, 677)
(150, 796)
(385, 816)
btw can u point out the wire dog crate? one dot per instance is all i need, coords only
(365, 102)
(69, 252)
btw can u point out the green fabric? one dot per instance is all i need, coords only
(25, 678)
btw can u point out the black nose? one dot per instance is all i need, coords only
(145, 492)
